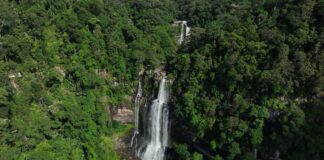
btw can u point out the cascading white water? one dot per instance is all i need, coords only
(181, 38)
(136, 119)
(158, 130)
(184, 32)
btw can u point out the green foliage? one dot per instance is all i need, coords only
(250, 77)
(70, 63)
(197, 156)
(182, 151)
(247, 77)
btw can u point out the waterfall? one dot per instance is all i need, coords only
(156, 141)
(136, 117)
(181, 38)
(184, 32)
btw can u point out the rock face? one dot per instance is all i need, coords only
(124, 115)
(155, 125)
(102, 73)
(124, 148)
(147, 91)
(13, 76)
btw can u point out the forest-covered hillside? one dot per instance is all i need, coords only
(248, 83)
(65, 64)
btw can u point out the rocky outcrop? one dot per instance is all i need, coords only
(102, 73)
(12, 76)
(124, 115)
(60, 70)
(124, 149)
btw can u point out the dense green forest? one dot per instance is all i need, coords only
(249, 81)
(65, 64)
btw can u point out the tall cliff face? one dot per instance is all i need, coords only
(140, 113)
(156, 138)
(151, 128)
